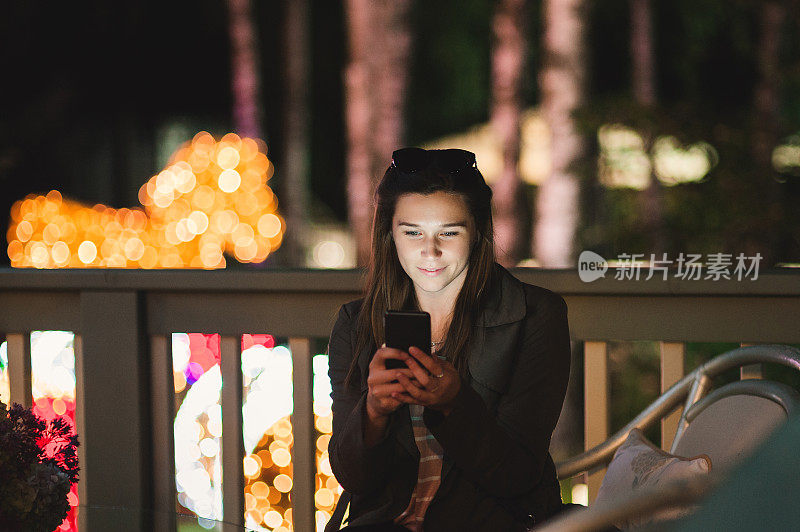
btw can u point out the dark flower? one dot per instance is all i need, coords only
(38, 465)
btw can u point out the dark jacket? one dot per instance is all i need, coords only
(497, 471)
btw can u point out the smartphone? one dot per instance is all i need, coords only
(404, 329)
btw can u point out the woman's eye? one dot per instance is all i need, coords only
(411, 233)
(450, 233)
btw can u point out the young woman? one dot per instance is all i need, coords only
(458, 440)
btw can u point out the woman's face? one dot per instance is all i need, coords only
(433, 235)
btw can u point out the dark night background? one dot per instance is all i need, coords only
(92, 90)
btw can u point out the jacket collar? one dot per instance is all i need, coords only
(505, 302)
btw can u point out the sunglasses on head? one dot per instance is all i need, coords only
(452, 161)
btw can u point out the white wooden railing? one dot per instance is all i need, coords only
(123, 320)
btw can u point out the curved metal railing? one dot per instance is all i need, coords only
(690, 389)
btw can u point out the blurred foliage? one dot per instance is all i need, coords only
(699, 353)
(634, 369)
(706, 67)
(450, 76)
(726, 212)
(633, 382)
(450, 67)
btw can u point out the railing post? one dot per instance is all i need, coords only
(19, 366)
(673, 355)
(595, 380)
(163, 416)
(80, 421)
(304, 448)
(114, 392)
(232, 437)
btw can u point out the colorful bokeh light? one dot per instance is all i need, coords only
(211, 200)
(5, 380)
(268, 438)
(327, 489)
(267, 432)
(53, 388)
(198, 424)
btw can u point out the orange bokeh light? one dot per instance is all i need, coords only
(212, 199)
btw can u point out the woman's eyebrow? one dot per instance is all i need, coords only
(449, 224)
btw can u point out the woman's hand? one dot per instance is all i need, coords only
(383, 383)
(436, 382)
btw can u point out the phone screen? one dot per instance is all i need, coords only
(404, 329)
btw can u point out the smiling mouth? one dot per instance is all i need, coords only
(427, 271)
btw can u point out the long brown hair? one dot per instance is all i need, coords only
(387, 284)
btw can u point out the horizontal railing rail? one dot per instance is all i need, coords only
(123, 320)
(634, 310)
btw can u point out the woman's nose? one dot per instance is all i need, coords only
(430, 248)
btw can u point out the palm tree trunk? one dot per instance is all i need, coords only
(643, 64)
(508, 59)
(643, 73)
(766, 132)
(358, 118)
(391, 79)
(375, 85)
(562, 80)
(244, 66)
(296, 155)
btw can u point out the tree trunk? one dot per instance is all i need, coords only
(508, 59)
(375, 87)
(642, 56)
(643, 73)
(244, 70)
(295, 164)
(358, 119)
(562, 81)
(391, 56)
(766, 128)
